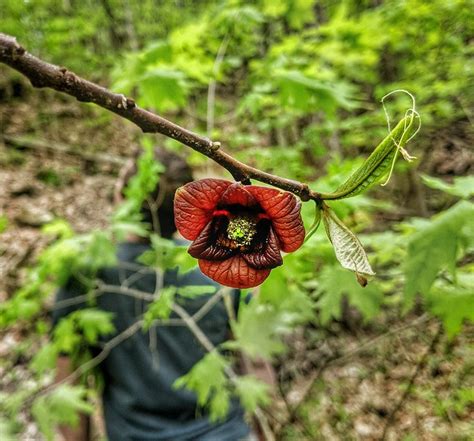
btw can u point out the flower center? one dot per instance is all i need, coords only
(241, 230)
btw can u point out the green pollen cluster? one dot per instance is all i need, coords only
(241, 230)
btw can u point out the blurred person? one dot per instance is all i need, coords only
(139, 402)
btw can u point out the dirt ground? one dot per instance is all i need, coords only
(353, 383)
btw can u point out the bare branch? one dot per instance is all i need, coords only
(43, 74)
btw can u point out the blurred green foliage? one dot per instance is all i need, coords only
(292, 87)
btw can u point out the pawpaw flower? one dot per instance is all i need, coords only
(238, 231)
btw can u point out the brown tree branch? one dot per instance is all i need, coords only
(43, 74)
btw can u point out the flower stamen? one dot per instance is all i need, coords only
(242, 230)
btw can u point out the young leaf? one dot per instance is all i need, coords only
(453, 305)
(257, 330)
(208, 380)
(379, 162)
(436, 247)
(61, 406)
(334, 284)
(349, 251)
(44, 359)
(161, 307)
(252, 392)
(93, 323)
(3, 223)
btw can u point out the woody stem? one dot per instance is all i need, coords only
(43, 74)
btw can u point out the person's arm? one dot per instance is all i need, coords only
(81, 431)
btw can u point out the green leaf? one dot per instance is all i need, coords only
(379, 162)
(208, 380)
(121, 229)
(252, 392)
(462, 186)
(165, 254)
(60, 228)
(453, 305)
(61, 406)
(163, 89)
(66, 338)
(301, 92)
(3, 223)
(334, 284)
(219, 405)
(140, 185)
(257, 331)
(93, 323)
(435, 247)
(161, 307)
(349, 251)
(99, 251)
(45, 358)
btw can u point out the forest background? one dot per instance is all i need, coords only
(293, 88)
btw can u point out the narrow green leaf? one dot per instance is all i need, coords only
(349, 251)
(379, 162)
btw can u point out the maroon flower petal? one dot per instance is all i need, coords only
(205, 246)
(233, 272)
(283, 208)
(268, 256)
(194, 204)
(237, 194)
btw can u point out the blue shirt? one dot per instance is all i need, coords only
(139, 401)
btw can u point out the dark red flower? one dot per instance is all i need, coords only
(238, 231)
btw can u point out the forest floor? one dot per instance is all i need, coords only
(348, 382)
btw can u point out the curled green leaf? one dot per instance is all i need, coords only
(381, 159)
